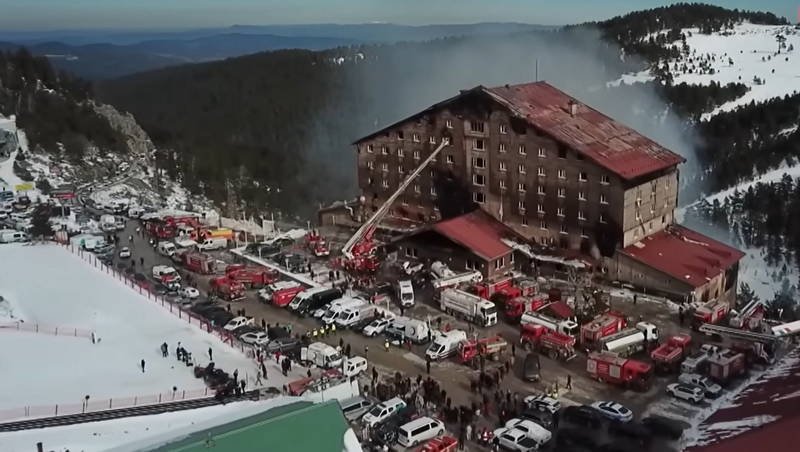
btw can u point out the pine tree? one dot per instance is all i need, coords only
(40, 222)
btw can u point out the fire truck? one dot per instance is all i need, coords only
(251, 277)
(628, 373)
(567, 327)
(227, 289)
(475, 309)
(490, 348)
(726, 365)
(548, 342)
(317, 244)
(515, 307)
(631, 340)
(750, 317)
(456, 279)
(601, 326)
(282, 297)
(503, 287)
(667, 357)
(199, 262)
(712, 312)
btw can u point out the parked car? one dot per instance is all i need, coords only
(283, 345)
(516, 440)
(633, 431)
(690, 393)
(124, 253)
(530, 367)
(542, 402)
(376, 327)
(613, 410)
(383, 411)
(190, 293)
(543, 418)
(662, 426)
(529, 428)
(711, 389)
(355, 407)
(419, 430)
(573, 438)
(236, 322)
(583, 415)
(255, 337)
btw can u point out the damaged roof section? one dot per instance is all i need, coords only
(552, 112)
(477, 232)
(684, 254)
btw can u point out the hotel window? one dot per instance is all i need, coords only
(502, 166)
(502, 184)
(581, 196)
(524, 224)
(540, 189)
(498, 264)
(400, 169)
(522, 149)
(370, 148)
(369, 181)
(542, 152)
(543, 225)
(581, 215)
(384, 150)
(540, 171)
(562, 153)
(446, 141)
(416, 155)
(502, 147)
(478, 197)
(432, 139)
(562, 174)
(605, 180)
(521, 206)
(503, 129)
(416, 188)
(479, 162)
(433, 191)
(638, 216)
(540, 208)
(562, 192)
(400, 135)
(582, 176)
(385, 183)
(415, 137)
(476, 126)
(478, 179)
(521, 168)
(478, 145)
(384, 167)
(371, 165)
(400, 152)
(560, 212)
(450, 159)
(449, 123)
(602, 218)
(584, 234)
(521, 187)
(563, 229)
(603, 199)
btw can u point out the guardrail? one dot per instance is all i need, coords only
(46, 329)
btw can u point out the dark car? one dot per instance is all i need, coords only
(386, 432)
(244, 329)
(633, 431)
(572, 438)
(662, 426)
(284, 345)
(583, 415)
(543, 418)
(530, 367)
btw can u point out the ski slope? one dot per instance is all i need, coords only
(51, 286)
(745, 45)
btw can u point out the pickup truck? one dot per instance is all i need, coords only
(238, 322)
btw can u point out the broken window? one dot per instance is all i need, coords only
(476, 126)
(478, 197)
(478, 179)
(479, 162)
(478, 144)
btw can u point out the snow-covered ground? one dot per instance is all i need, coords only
(745, 45)
(136, 433)
(54, 287)
(765, 280)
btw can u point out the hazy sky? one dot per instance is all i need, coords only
(68, 14)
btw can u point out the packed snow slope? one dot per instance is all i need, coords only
(746, 54)
(52, 286)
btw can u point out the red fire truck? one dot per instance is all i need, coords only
(505, 287)
(555, 345)
(251, 277)
(514, 308)
(628, 373)
(283, 297)
(712, 312)
(668, 356)
(199, 262)
(602, 326)
(726, 365)
(490, 348)
(227, 289)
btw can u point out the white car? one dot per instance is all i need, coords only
(614, 411)
(190, 293)
(125, 253)
(530, 428)
(712, 390)
(516, 440)
(690, 393)
(542, 403)
(376, 327)
(256, 337)
(237, 322)
(383, 411)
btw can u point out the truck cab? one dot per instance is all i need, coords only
(446, 344)
(405, 294)
(321, 355)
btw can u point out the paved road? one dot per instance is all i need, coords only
(453, 377)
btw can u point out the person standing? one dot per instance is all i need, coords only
(428, 364)
(142, 364)
(569, 381)
(210, 354)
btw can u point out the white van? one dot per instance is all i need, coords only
(338, 306)
(354, 366)
(419, 430)
(166, 248)
(213, 243)
(356, 315)
(405, 293)
(304, 295)
(446, 344)
(12, 236)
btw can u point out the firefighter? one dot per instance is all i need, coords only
(314, 333)
(333, 328)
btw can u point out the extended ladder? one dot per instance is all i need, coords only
(736, 333)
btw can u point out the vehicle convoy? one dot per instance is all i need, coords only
(445, 344)
(470, 351)
(667, 357)
(322, 355)
(557, 346)
(568, 327)
(631, 340)
(199, 262)
(227, 289)
(473, 308)
(251, 277)
(600, 327)
(629, 373)
(711, 312)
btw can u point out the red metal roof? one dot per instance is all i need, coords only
(765, 415)
(684, 254)
(477, 232)
(612, 145)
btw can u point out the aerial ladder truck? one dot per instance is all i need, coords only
(359, 250)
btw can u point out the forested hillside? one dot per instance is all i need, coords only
(53, 107)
